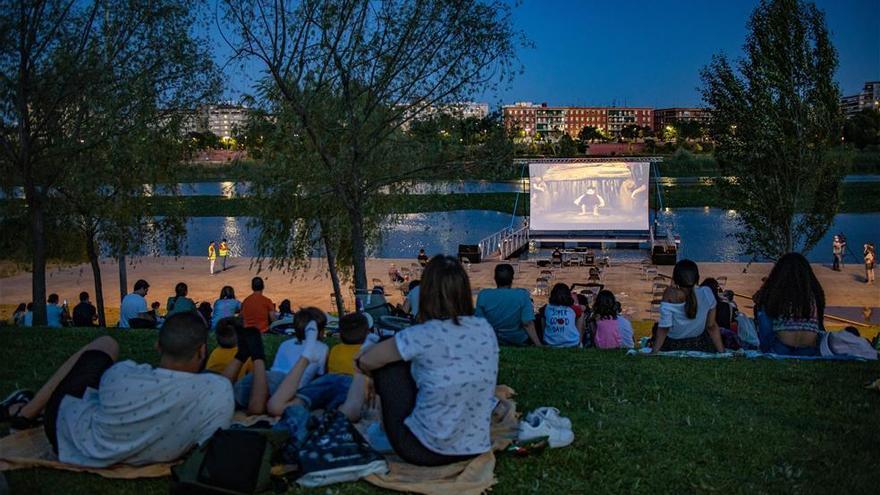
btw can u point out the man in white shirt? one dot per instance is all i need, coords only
(97, 413)
(134, 304)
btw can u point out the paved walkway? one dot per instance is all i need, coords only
(312, 286)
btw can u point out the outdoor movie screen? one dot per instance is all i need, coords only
(589, 196)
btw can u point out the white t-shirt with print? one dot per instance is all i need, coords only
(455, 368)
(142, 415)
(560, 326)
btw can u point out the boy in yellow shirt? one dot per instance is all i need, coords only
(228, 346)
(353, 330)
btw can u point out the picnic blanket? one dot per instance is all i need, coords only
(472, 477)
(750, 354)
(31, 449)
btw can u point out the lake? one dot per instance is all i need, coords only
(704, 234)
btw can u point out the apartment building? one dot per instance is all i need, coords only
(869, 97)
(543, 119)
(676, 115)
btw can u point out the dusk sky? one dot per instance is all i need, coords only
(649, 53)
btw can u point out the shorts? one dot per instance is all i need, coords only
(85, 373)
(327, 392)
(242, 388)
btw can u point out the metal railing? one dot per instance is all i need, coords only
(504, 243)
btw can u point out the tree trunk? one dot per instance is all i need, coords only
(96, 271)
(38, 235)
(334, 276)
(123, 277)
(358, 249)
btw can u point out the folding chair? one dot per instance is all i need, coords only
(542, 287)
(548, 274)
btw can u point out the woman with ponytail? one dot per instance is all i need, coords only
(687, 314)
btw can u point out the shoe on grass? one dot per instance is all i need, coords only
(19, 397)
(539, 427)
(550, 414)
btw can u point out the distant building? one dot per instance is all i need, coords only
(535, 120)
(460, 110)
(671, 116)
(869, 97)
(224, 119)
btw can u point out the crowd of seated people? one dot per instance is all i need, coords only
(435, 380)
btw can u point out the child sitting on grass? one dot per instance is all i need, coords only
(611, 331)
(228, 347)
(290, 350)
(353, 330)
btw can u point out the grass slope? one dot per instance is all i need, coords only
(642, 425)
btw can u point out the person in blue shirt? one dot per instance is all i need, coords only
(508, 310)
(54, 312)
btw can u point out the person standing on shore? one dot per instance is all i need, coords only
(837, 251)
(870, 258)
(212, 255)
(224, 253)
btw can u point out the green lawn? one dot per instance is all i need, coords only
(642, 425)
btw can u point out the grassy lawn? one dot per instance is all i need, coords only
(642, 425)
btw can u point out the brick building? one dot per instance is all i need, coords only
(542, 119)
(869, 97)
(675, 115)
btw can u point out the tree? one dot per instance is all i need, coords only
(589, 134)
(774, 121)
(73, 76)
(863, 128)
(567, 146)
(630, 131)
(351, 73)
(689, 130)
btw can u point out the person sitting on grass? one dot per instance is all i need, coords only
(790, 308)
(687, 314)
(285, 310)
(134, 305)
(436, 379)
(253, 390)
(18, 315)
(224, 307)
(85, 314)
(97, 412)
(411, 303)
(28, 319)
(257, 310)
(179, 303)
(725, 313)
(353, 331)
(562, 327)
(227, 347)
(55, 313)
(293, 401)
(611, 331)
(508, 310)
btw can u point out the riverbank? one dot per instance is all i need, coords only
(312, 287)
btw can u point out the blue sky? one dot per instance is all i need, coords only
(646, 52)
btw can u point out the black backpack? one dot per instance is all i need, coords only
(236, 461)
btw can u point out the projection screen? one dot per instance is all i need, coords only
(600, 196)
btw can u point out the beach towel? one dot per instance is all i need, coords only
(748, 354)
(31, 449)
(472, 477)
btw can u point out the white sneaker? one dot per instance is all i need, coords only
(552, 416)
(537, 427)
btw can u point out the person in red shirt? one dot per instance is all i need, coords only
(257, 310)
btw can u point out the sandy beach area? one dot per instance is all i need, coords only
(312, 286)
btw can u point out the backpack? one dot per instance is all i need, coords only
(236, 461)
(335, 452)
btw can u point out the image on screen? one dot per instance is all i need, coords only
(588, 196)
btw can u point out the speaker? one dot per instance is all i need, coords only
(662, 255)
(469, 251)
